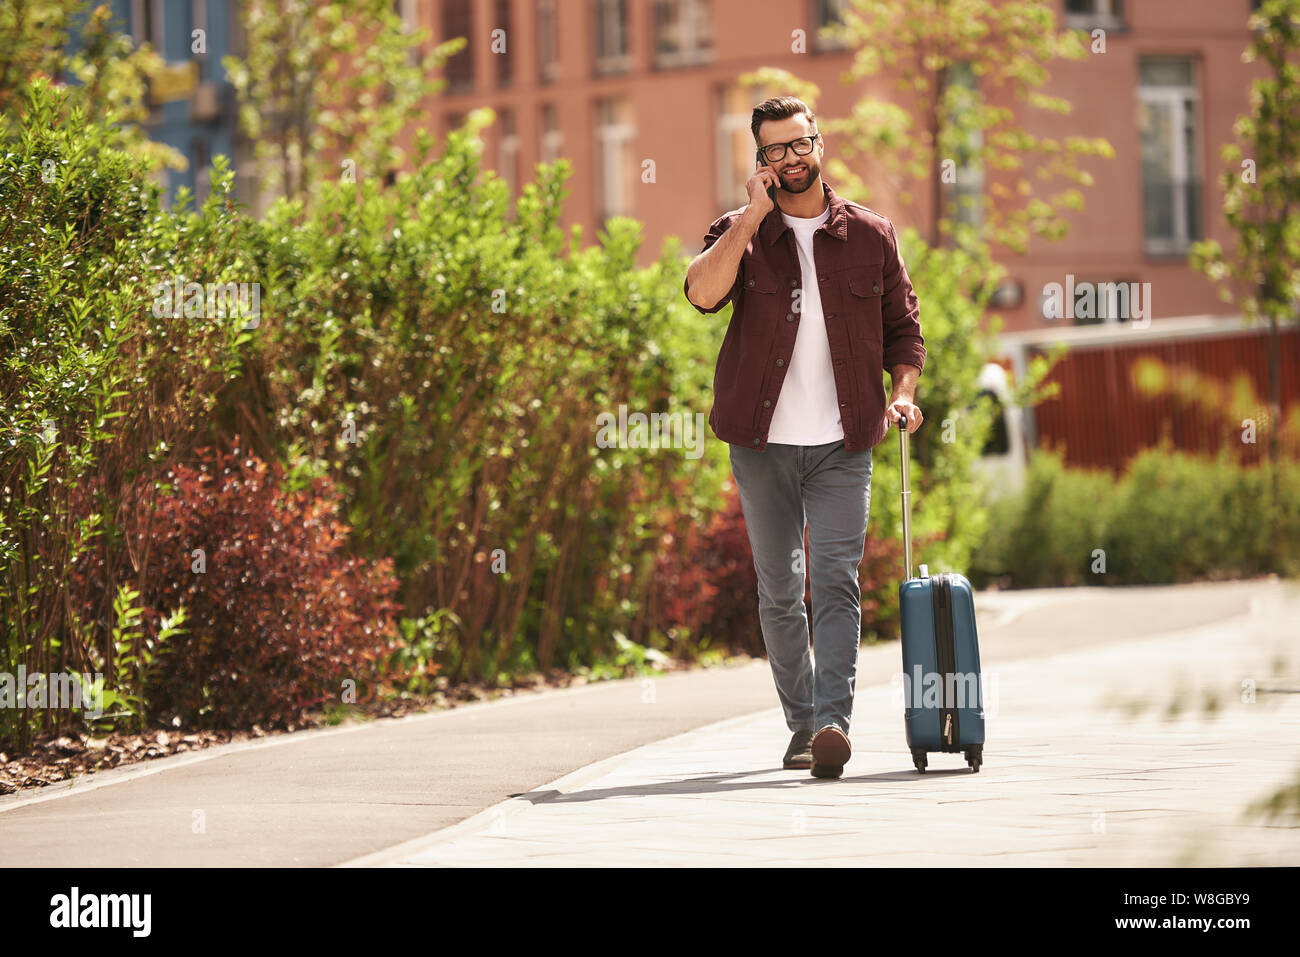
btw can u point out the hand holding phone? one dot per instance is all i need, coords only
(770, 181)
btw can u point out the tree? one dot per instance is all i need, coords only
(968, 72)
(330, 82)
(1261, 201)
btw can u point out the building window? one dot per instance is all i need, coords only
(406, 9)
(1171, 184)
(202, 165)
(508, 152)
(611, 36)
(1008, 294)
(617, 166)
(147, 24)
(1254, 9)
(198, 21)
(1090, 302)
(457, 21)
(683, 32)
(964, 198)
(238, 36)
(548, 63)
(735, 143)
(1111, 302)
(827, 16)
(249, 182)
(552, 144)
(1089, 14)
(504, 58)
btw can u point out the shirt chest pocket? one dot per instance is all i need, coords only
(863, 303)
(865, 285)
(765, 297)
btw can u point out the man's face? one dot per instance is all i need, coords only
(797, 173)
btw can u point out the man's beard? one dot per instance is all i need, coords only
(800, 184)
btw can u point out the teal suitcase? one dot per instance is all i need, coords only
(942, 683)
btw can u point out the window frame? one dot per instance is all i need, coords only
(1187, 178)
(692, 53)
(548, 41)
(551, 139)
(730, 128)
(609, 63)
(503, 19)
(1105, 14)
(457, 85)
(607, 141)
(817, 21)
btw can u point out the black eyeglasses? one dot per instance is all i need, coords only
(775, 152)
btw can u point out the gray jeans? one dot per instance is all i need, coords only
(827, 488)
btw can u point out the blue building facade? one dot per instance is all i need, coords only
(193, 105)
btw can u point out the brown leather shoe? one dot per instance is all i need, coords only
(830, 751)
(799, 755)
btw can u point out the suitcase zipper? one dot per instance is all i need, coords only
(952, 659)
(945, 649)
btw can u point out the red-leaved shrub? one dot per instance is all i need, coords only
(277, 619)
(705, 581)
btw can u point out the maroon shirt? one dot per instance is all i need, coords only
(869, 308)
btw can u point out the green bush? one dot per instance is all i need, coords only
(1171, 517)
(97, 391)
(445, 358)
(1180, 518)
(1046, 535)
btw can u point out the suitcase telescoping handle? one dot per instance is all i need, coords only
(907, 504)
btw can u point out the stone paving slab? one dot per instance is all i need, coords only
(1072, 777)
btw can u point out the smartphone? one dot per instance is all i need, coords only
(771, 190)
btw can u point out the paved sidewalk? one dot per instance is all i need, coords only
(1071, 777)
(333, 795)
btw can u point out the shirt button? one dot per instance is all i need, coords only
(823, 279)
(780, 362)
(767, 403)
(789, 317)
(757, 440)
(794, 283)
(749, 282)
(875, 287)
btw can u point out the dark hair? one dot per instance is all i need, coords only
(778, 108)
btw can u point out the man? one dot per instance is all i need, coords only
(822, 306)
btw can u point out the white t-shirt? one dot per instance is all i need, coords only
(808, 408)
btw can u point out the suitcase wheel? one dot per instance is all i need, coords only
(918, 758)
(974, 757)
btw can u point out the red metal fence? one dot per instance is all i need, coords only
(1103, 415)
